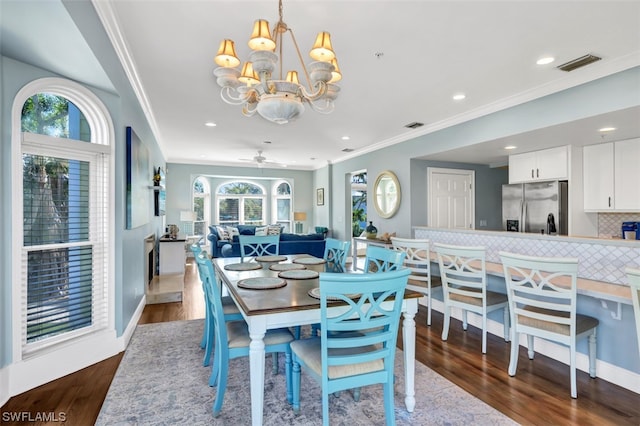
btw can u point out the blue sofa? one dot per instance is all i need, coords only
(312, 244)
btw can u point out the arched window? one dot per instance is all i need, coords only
(62, 143)
(240, 202)
(201, 205)
(282, 206)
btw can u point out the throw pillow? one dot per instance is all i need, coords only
(273, 230)
(261, 231)
(232, 231)
(222, 233)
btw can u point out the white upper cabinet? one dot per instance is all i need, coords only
(548, 164)
(612, 176)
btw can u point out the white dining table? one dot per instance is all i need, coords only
(290, 306)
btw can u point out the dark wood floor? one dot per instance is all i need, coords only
(537, 395)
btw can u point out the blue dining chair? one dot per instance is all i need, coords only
(336, 253)
(231, 312)
(253, 246)
(380, 259)
(233, 340)
(365, 356)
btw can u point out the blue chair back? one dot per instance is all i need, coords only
(371, 331)
(252, 245)
(380, 259)
(336, 253)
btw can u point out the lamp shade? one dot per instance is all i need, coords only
(336, 75)
(227, 56)
(248, 75)
(299, 216)
(187, 216)
(322, 49)
(292, 77)
(261, 37)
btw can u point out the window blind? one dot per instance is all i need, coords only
(65, 217)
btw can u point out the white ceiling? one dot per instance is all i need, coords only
(430, 51)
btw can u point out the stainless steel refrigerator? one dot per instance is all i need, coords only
(539, 207)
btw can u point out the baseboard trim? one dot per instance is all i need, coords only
(131, 327)
(604, 370)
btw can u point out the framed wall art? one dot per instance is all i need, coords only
(138, 177)
(320, 197)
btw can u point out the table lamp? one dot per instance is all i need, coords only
(299, 217)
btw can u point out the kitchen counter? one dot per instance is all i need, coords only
(601, 261)
(603, 290)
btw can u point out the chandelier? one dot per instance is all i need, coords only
(258, 89)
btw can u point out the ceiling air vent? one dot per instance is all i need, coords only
(414, 125)
(347, 150)
(578, 62)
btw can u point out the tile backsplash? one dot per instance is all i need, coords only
(609, 224)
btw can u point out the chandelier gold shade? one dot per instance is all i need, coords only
(322, 49)
(257, 88)
(227, 56)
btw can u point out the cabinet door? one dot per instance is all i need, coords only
(627, 174)
(551, 164)
(522, 167)
(597, 163)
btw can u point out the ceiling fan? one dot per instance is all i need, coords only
(259, 159)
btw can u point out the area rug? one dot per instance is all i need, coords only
(161, 381)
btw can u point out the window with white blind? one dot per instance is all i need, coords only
(282, 205)
(65, 223)
(201, 205)
(240, 203)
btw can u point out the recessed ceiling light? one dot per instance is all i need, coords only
(345, 138)
(545, 60)
(210, 124)
(510, 147)
(607, 129)
(459, 96)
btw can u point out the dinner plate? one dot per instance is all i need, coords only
(271, 258)
(286, 266)
(315, 293)
(245, 266)
(299, 274)
(310, 260)
(262, 283)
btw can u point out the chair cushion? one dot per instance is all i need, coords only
(493, 298)
(238, 335)
(583, 322)
(309, 351)
(229, 306)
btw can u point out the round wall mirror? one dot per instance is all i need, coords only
(387, 194)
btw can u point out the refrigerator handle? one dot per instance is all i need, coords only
(523, 214)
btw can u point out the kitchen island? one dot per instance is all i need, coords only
(603, 291)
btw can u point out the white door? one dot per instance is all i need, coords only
(451, 198)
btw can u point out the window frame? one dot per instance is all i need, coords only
(241, 199)
(274, 206)
(101, 144)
